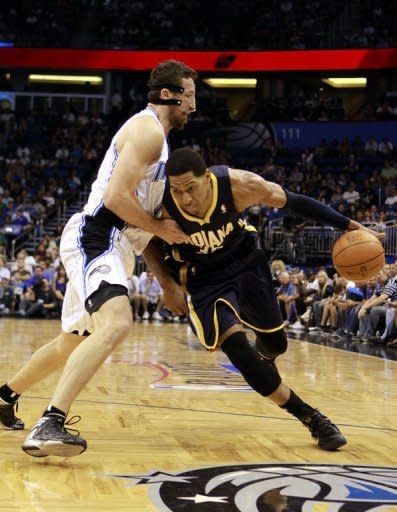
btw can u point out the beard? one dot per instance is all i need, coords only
(177, 120)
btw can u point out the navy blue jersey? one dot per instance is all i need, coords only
(225, 274)
(217, 237)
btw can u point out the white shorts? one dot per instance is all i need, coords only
(114, 265)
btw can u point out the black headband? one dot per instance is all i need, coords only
(170, 87)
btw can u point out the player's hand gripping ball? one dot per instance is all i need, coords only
(358, 255)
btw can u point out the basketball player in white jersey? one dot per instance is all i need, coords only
(97, 250)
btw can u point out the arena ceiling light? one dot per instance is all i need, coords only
(238, 83)
(339, 83)
(67, 79)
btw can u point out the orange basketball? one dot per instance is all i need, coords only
(358, 255)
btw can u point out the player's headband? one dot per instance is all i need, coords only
(170, 87)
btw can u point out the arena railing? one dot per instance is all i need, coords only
(317, 241)
(83, 102)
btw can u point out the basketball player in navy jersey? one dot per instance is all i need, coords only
(226, 277)
(97, 250)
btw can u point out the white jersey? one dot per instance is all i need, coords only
(149, 192)
(150, 189)
(97, 247)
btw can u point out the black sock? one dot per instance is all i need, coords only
(53, 411)
(8, 395)
(298, 407)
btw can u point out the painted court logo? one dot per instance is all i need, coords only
(273, 487)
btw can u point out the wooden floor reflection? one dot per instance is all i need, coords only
(161, 403)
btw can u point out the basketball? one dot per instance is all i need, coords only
(358, 255)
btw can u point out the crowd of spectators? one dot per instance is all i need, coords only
(320, 302)
(315, 300)
(387, 108)
(197, 25)
(356, 177)
(33, 286)
(303, 104)
(375, 27)
(45, 158)
(299, 102)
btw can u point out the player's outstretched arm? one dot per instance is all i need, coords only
(249, 188)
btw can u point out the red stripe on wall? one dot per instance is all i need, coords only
(227, 62)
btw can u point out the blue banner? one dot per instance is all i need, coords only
(309, 134)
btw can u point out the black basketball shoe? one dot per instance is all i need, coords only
(50, 437)
(7, 416)
(327, 435)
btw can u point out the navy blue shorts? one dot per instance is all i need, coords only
(240, 291)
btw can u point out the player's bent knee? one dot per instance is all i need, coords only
(67, 342)
(105, 296)
(272, 344)
(261, 375)
(113, 321)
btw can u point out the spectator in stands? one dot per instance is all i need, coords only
(286, 295)
(38, 301)
(22, 261)
(18, 218)
(330, 316)
(385, 147)
(298, 280)
(337, 195)
(391, 197)
(321, 150)
(7, 297)
(324, 291)
(373, 311)
(351, 195)
(151, 296)
(59, 287)
(307, 159)
(74, 182)
(384, 110)
(40, 251)
(309, 291)
(36, 278)
(24, 274)
(49, 270)
(46, 295)
(4, 270)
(62, 153)
(371, 147)
(389, 170)
(19, 287)
(347, 309)
(358, 145)
(344, 148)
(276, 267)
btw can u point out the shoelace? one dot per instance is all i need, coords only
(319, 423)
(72, 421)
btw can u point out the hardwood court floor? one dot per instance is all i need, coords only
(161, 403)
